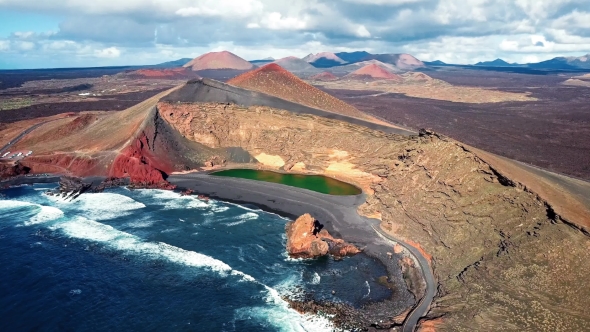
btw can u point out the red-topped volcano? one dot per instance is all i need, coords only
(219, 60)
(373, 71)
(274, 80)
(324, 76)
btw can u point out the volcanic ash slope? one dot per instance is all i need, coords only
(274, 80)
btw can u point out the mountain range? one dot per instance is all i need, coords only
(402, 62)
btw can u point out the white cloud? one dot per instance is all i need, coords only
(24, 45)
(384, 2)
(111, 52)
(361, 31)
(242, 8)
(456, 31)
(4, 45)
(24, 35)
(276, 21)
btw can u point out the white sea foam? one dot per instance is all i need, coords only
(243, 218)
(315, 280)
(171, 200)
(75, 292)
(42, 213)
(280, 315)
(100, 206)
(7, 204)
(217, 207)
(140, 223)
(285, 319)
(47, 213)
(82, 228)
(256, 210)
(368, 289)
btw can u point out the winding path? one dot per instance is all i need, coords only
(23, 134)
(338, 213)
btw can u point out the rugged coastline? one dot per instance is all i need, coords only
(339, 216)
(291, 202)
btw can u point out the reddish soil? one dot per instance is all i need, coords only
(373, 71)
(274, 80)
(174, 73)
(325, 76)
(219, 60)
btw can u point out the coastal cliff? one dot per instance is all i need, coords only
(491, 241)
(306, 238)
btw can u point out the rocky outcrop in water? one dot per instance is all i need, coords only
(306, 238)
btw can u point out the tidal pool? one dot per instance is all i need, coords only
(319, 183)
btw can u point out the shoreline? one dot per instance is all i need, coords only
(338, 214)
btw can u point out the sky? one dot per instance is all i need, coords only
(82, 33)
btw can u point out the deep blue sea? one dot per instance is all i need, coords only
(153, 260)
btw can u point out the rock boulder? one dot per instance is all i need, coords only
(307, 239)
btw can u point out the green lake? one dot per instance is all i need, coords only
(321, 184)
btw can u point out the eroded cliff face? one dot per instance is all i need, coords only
(503, 259)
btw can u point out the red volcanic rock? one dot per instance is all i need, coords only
(306, 239)
(64, 163)
(140, 165)
(373, 71)
(325, 76)
(10, 169)
(274, 80)
(219, 60)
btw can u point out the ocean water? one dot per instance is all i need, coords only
(152, 260)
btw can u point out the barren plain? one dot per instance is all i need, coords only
(547, 126)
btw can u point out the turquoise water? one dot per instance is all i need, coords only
(322, 184)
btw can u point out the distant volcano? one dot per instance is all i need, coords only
(324, 60)
(274, 80)
(402, 61)
(219, 60)
(324, 76)
(296, 65)
(373, 71)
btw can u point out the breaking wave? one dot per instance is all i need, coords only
(100, 206)
(37, 213)
(171, 200)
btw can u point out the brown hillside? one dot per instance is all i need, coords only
(274, 80)
(373, 71)
(219, 60)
